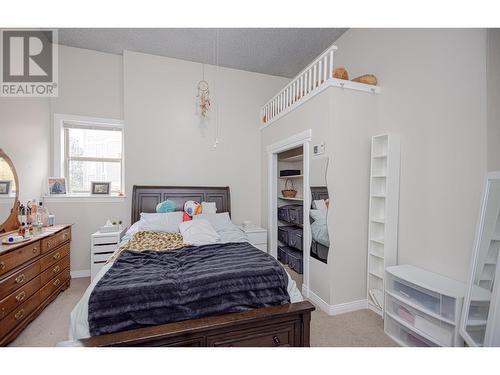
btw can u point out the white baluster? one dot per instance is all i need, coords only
(315, 77)
(320, 66)
(330, 72)
(324, 68)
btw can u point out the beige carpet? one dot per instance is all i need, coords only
(359, 328)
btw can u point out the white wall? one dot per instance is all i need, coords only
(335, 119)
(493, 83)
(442, 124)
(90, 84)
(440, 115)
(24, 136)
(167, 144)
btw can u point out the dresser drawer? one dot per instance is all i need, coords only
(54, 284)
(55, 269)
(54, 241)
(283, 335)
(20, 295)
(19, 314)
(54, 256)
(17, 257)
(18, 279)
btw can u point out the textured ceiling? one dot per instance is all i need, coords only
(280, 52)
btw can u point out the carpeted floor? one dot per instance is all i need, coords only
(359, 328)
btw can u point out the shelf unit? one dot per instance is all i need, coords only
(383, 215)
(422, 308)
(291, 159)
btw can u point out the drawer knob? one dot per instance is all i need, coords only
(20, 278)
(20, 297)
(35, 249)
(57, 282)
(2, 265)
(57, 255)
(276, 340)
(19, 314)
(56, 269)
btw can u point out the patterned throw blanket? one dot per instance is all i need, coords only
(151, 288)
(150, 241)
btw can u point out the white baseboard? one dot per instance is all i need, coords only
(81, 273)
(340, 308)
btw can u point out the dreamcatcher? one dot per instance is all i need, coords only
(203, 96)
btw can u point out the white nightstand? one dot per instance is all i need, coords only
(257, 236)
(102, 247)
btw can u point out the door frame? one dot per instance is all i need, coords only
(301, 139)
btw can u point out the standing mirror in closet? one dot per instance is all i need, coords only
(480, 323)
(320, 202)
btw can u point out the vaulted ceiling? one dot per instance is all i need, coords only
(280, 52)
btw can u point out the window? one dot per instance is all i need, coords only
(91, 152)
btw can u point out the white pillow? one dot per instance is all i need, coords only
(136, 227)
(319, 204)
(218, 221)
(161, 222)
(198, 232)
(208, 208)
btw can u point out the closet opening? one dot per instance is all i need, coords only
(289, 202)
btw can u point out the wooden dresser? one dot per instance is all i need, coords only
(32, 274)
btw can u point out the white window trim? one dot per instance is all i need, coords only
(58, 150)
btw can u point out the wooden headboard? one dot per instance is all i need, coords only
(145, 198)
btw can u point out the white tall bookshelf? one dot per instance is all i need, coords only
(383, 215)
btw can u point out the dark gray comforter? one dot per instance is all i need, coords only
(151, 288)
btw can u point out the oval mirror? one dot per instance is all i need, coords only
(480, 321)
(9, 194)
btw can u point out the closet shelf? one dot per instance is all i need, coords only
(287, 177)
(292, 158)
(379, 220)
(291, 199)
(377, 255)
(379, 175)
(377, 240)
(380, 156)
(376, 274)
(378, 195)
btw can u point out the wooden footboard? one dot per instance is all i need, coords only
(285, 325)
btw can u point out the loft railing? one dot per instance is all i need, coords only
(309, 80)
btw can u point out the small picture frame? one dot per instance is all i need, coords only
(5, 187)
(101, 188)
(57, 185)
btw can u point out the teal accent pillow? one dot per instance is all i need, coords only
(165, 206)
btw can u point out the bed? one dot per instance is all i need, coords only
(320, 242)
(284, 324)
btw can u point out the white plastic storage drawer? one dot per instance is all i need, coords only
(426, 299)
(441, 332)
(404, 336)
(105, 240)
